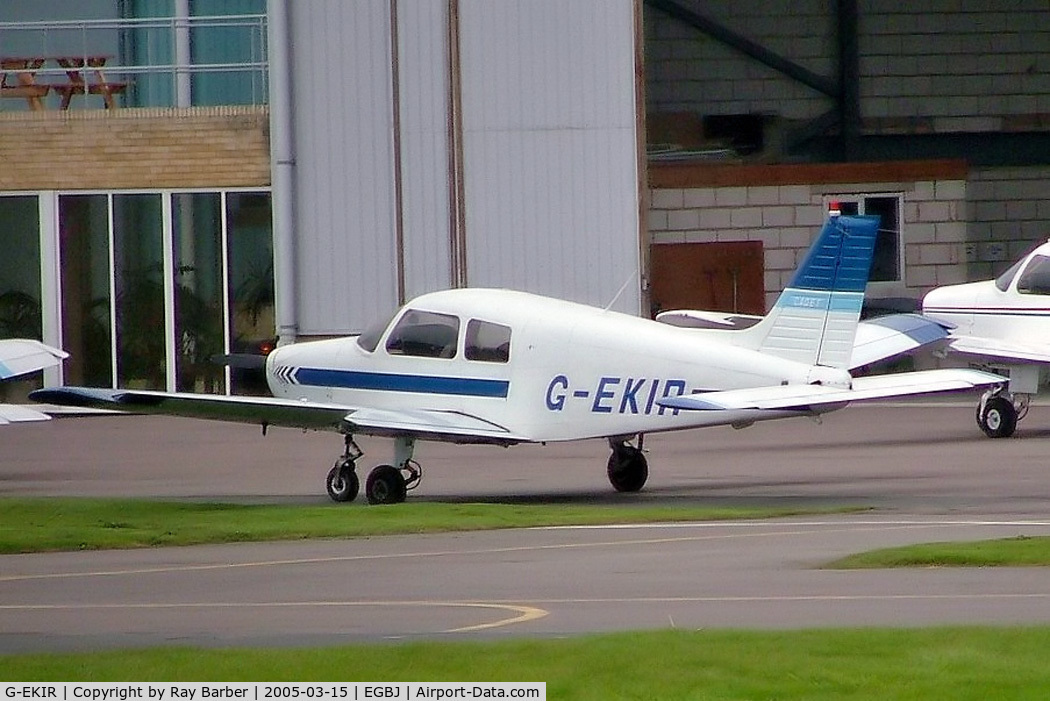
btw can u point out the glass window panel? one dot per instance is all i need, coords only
(487, 341)
(20, 283)
(197, 239)
(83, 229)
(424, 334)
(885, 266)
(138, 237)
(1035, 280)
(250, 242)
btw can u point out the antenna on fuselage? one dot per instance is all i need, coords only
(619, 292)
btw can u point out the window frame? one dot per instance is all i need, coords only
(860, 199)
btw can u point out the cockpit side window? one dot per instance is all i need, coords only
(1035, 280)
(487, 342)
(1004, 280)
(424, 335)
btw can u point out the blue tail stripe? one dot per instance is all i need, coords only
(841, 258)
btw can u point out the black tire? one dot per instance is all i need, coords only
(998, 419)
(385, 485)
(628, 469)
(342, 482)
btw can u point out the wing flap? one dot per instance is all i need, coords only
(864, 388)
(256, 410)
(449, 426)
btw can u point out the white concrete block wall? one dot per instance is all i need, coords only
(786, 219)
(944, 65)
(687, 71)
(1009, 215)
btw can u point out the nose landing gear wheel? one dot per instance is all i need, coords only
(385, 485)
(342, 482)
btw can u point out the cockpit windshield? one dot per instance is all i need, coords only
(1004, 280)
(369, 338)
(1035, 280)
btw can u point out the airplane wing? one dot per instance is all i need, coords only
(997, 349)
(449, 426)
(19, 356)
(802, 397)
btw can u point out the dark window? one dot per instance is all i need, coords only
(487, 342)
(424, 334)
(885, 264)
(1035, 280)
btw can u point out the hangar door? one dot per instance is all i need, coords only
(727, 276)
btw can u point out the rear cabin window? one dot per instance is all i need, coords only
(487, 342)
(425, 335)
(1035, 280)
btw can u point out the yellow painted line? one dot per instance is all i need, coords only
(522, 613)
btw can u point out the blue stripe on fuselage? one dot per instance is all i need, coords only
(394, 382)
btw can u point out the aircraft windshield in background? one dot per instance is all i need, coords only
(503, 367)
(1004, 323)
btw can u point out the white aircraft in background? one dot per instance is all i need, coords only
(1003, 323)
(21, 356)
(503, 367)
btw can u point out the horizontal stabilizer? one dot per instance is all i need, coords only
(801, 397)
(889, 336)
(19, 356)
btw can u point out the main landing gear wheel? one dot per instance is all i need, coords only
(385, 485)
(997, 416)
(342, 482)
(628, 469)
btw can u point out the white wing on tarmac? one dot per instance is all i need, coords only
(19, 356)
(450, 426)
(801, 397)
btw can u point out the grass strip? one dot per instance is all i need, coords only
(954, 662)
(1019, 551)
(62, 524)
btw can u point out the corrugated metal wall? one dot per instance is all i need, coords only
(549, 147)
(343, 125)
(424, 133)
(549, 144)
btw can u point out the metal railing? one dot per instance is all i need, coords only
(150, 62)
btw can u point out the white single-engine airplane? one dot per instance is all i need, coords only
(503, 367)
(21, 356)
(1003, 323)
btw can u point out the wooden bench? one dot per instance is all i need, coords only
(106, 89)
(24, 85)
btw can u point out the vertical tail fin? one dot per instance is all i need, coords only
(815, 319)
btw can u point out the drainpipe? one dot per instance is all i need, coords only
(282, 169)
